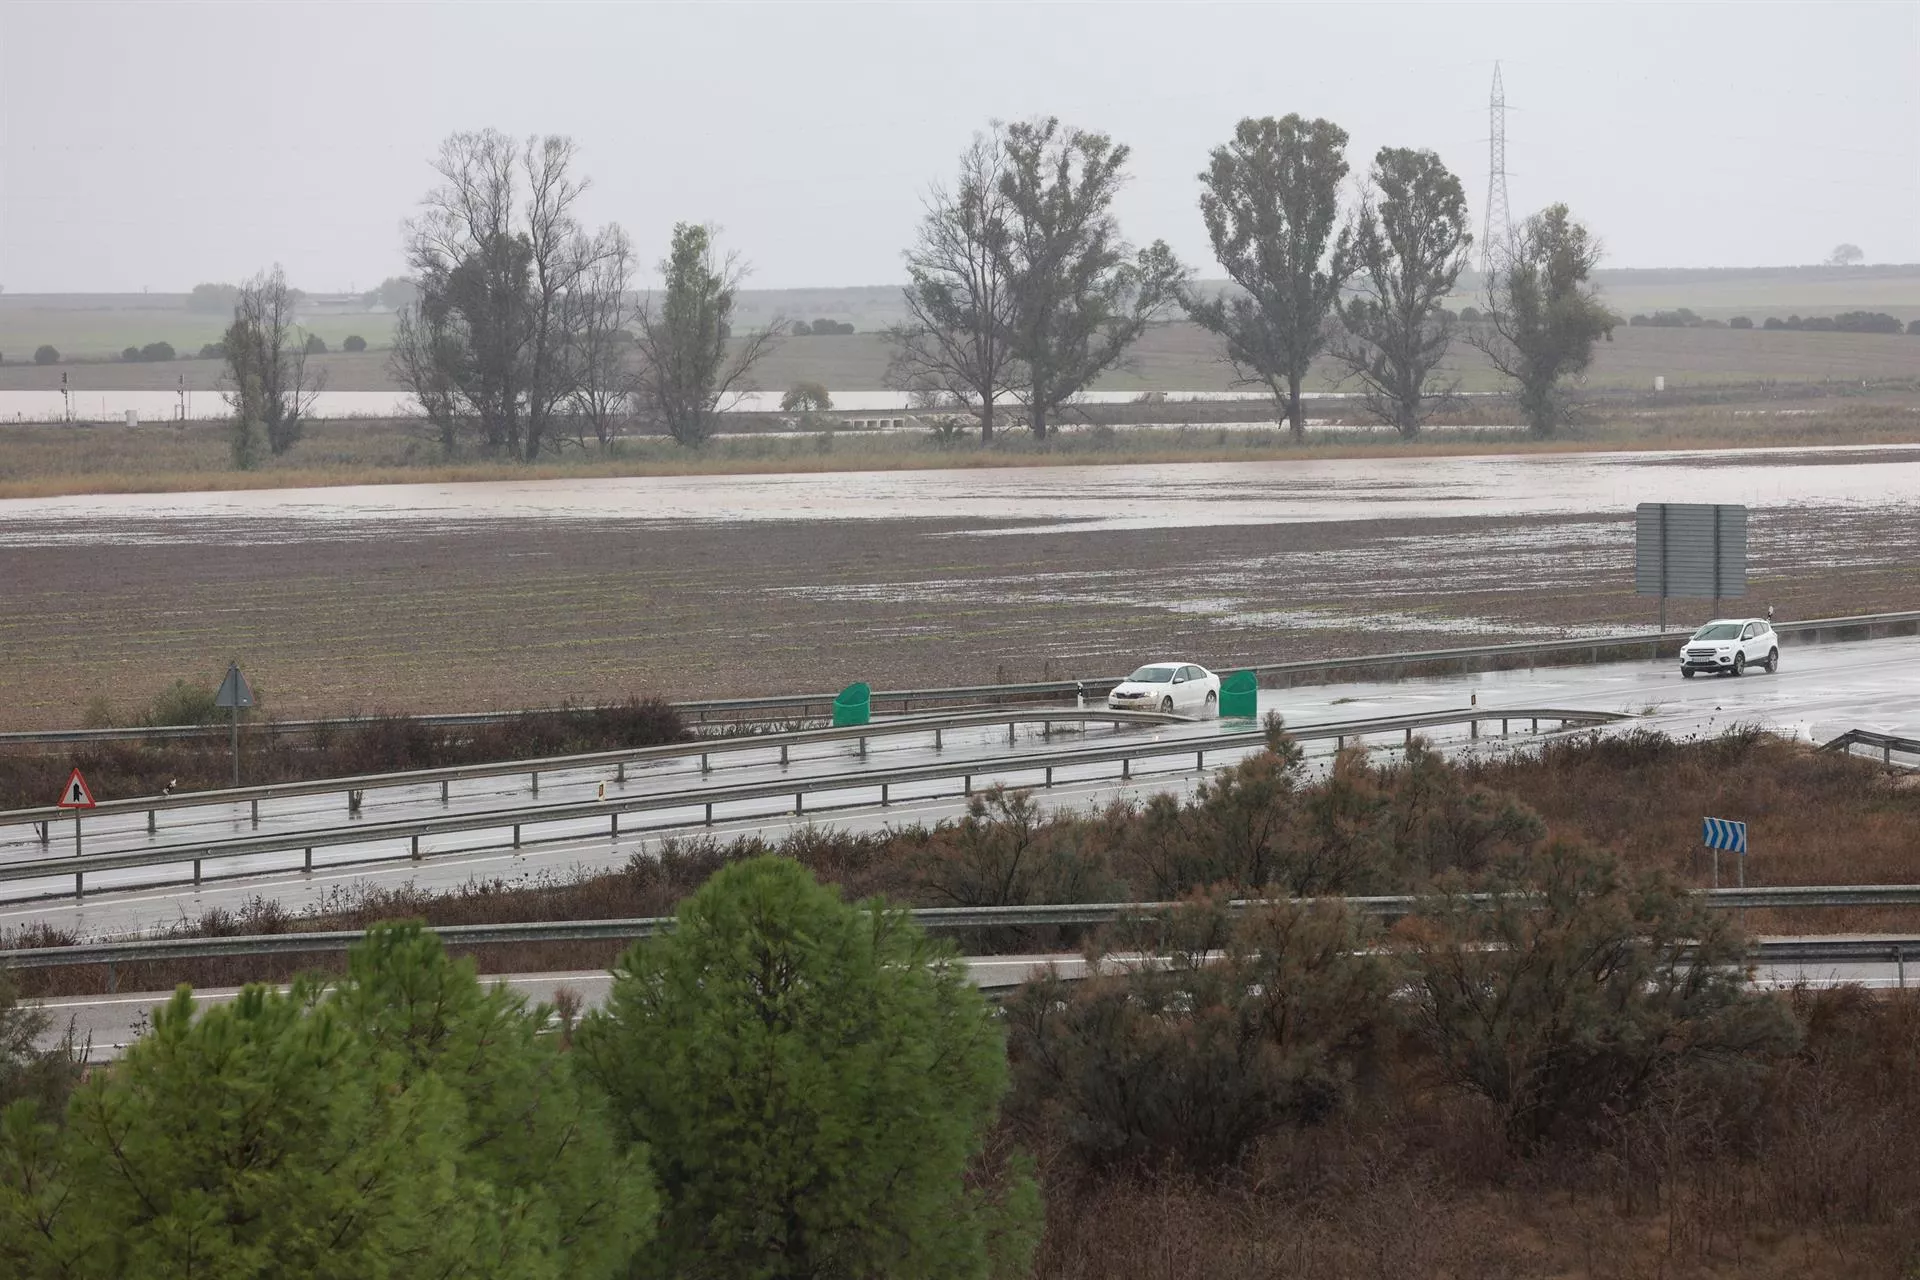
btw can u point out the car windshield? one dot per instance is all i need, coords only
(1719, 631)
(1152, 675)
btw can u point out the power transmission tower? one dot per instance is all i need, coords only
(1498, 224)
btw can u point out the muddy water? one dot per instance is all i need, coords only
(1019, 500)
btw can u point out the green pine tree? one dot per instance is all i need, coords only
(813, 1079)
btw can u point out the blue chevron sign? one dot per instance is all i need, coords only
(1723, 833)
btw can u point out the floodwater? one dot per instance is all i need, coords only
(1021, 500)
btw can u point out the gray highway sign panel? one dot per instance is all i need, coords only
(1695, 549)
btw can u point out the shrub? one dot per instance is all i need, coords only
(814, 1077)
(806, 397)
(1573, 994)
(1470, 315)
(1866, 322)
(1913, 326)
(1219, 1035)
(45, 353)
(354, 344)
(1773, 322)
(183, 702)
(157, 352)
(830, 328)
(213, 351)
(316, 345)
(1006, 852)
(1740, 322)
(130, 353)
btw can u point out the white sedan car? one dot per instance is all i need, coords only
(1728, 646)
(1167, 686)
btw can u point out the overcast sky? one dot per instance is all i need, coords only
(158, 144)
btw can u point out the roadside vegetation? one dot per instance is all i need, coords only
(51, 460)
(356, 745)
(1576, 1083)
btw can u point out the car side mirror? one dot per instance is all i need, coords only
(1179, 679)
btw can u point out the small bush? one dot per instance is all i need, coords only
(184, 702)
(1217, 1035)
(1740, 322)
(1575, 993)
(131, 354)
(45, 353)
(806, 397)
(354, 344)
(316, 345)
(1774, 322)
(213, 351)
(157, 352)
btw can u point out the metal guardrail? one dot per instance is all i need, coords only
(412, 831)
(1813, 951)
(809, 705)
(618, 760)
(1887, 743)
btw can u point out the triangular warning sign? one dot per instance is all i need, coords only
(76, 795)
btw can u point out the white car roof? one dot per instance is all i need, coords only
(1716, 622)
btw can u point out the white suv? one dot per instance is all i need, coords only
(1728, 646)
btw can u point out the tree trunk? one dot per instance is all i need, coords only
(1296, 418)
(986, 418)
(1039, 422)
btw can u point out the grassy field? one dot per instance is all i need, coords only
(1175, 357)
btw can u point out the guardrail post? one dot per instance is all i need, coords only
(620, 772)
(256, 813)
(783, 755)
(1503, 728)
(613, 830)
(1340, 742)
(1199, 760)
(1409, 738)
(863, 746)
(706, 766)
(536, 781)
(1046, 729)
(1536, 724)
(936, 739)
(1009, 733)
(966, 784)
(444, 784)
(516, 835)
(353, 801)
(709, 813)
(79, 883)
(1886, 754)
(1474, 732)
(46, 834)
(416, 848)
(799, 803)
(1049, 775)
(883, 793)
(152, 821)
(196, 873)
(307, 862)
(1126, 766)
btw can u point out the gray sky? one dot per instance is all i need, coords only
(159, 144)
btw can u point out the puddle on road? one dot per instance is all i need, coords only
(1022, 500)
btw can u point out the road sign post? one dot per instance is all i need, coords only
(1724, 833)
(234, 694)
(77, 796)
(1696, 549)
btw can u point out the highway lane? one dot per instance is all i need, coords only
(1820, 692)
(111, 1022)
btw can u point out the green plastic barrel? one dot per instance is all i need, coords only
(853, 706)
(1240, 696)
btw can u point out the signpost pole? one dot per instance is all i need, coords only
(234, 694)
(76, 833)
(233, 743)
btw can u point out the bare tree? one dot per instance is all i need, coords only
(1079, 294)
(601, 312)
(1271, 203)
(268, 386)
(492, 348)
(1542, 315)
(692, 367)
(1410, 249)
(958, 299)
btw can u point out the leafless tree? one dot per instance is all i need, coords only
(492, 348)
(269, 387)
(958, 299)
(1409, 249)
(601, 313)
(692, 367)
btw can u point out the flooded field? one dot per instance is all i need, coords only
(416, 597)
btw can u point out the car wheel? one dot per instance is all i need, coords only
(1685, 674)
(1739, 664)
(1773, 661)
(1166, 706)
(1213, 702)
